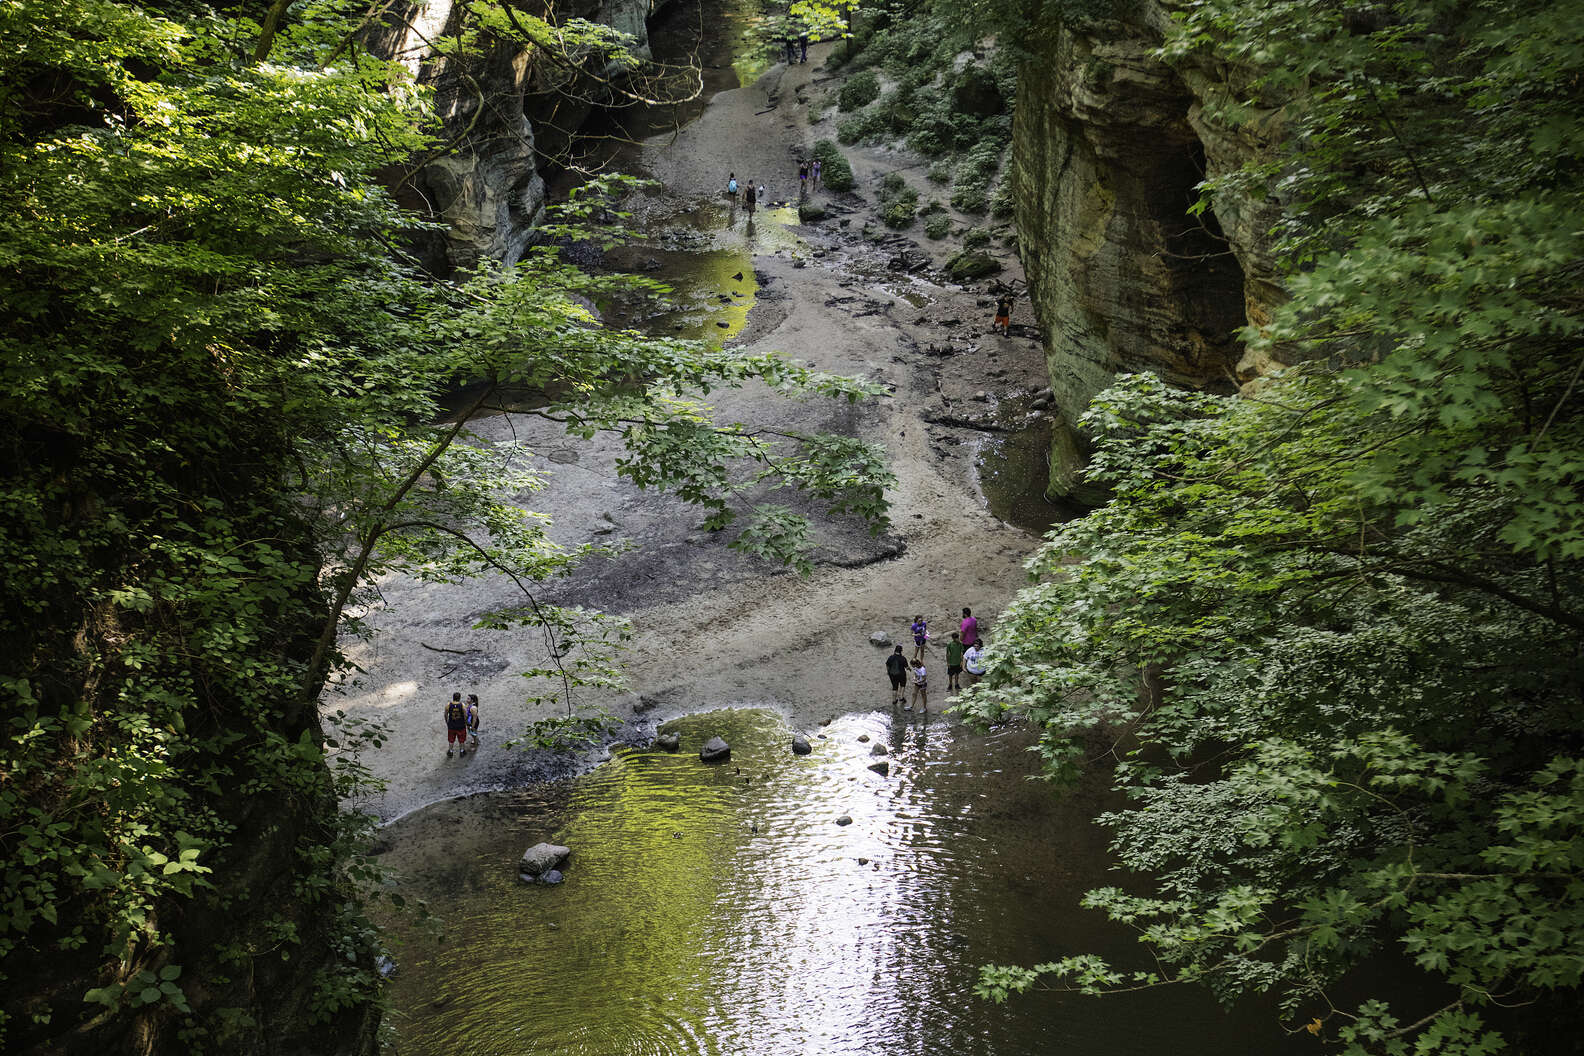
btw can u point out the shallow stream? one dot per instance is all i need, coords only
(722, 909)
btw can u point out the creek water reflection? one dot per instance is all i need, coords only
(720, 909)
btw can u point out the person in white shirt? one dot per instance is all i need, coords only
(973, 662)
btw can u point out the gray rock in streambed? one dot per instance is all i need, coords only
(715, 750)
(542, 859)
(880, 638)
(845, 819)
(879, 749)
(668, 742)
(800, 745)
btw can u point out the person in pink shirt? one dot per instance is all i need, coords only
(969, 629)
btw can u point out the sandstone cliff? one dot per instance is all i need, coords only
(1109, 145)
(485, 181)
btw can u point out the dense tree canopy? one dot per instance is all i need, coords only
(1356, 593)
(218, 421)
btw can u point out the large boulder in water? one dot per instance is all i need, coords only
(668, 742)
(800, 745)
(541, 858)
(715, 750)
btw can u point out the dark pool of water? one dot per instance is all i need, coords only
(721, 910)
(1014, 469)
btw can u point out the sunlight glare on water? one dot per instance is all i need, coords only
(720, 909)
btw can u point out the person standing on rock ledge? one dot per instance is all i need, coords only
(456, 725)
(896, 669)
(473, 721)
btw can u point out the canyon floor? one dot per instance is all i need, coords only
(713, 628)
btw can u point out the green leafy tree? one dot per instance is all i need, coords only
(1330, 630)
(219, 421)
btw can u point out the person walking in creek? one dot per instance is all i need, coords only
(473, 721)
(750, 197)
(896, 670)
(954, 662)
(814, 173)
(920, 631)
(969, 628)
(920, 686)
(803, 47)
(803, 171)
(731, 186)
(973, 662)
(764, 195)
(456, 724)
(1003, 316)
(787, 42)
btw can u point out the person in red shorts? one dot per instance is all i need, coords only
(1003, 316)
(456, 725)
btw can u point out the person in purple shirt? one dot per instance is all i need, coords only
(969, 629)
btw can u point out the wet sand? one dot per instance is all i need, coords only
(713, 628)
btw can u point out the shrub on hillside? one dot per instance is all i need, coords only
(835, 173)
(860, 90)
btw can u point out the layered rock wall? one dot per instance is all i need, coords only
(1109, 147)
(484, 180)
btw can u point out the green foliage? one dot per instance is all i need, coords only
(938, 226)
(898, 201)
(220, 424)
(573, 732)
(835, 172)
(861, 89)
(1002, 205)
(971, 178)
(1342, 614)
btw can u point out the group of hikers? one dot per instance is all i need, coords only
(462, 724)
(965, 652)
(796, 47)
(747, 194)
(751, 193)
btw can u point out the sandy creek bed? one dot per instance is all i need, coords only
(721, 909)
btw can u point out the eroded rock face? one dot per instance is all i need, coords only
(486, 182)
(1109, 146)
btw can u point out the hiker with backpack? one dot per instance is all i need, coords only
(456, 721)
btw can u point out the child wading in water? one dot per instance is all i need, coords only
(920, 631)
(920, 686)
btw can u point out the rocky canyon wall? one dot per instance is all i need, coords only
(1109, 146)
(485, 179)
